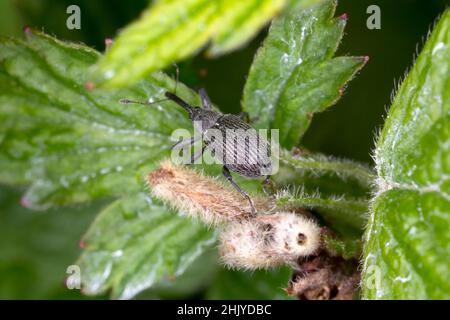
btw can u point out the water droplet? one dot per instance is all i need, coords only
(412, 231)
(438, 47)
(109, 74)
(63, 181)
(105, 170)
(117, 253)
(285, 58)
(403, 279)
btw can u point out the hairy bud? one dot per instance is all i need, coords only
(293, 235)
(200, 196)
(268, 241)
(244, 244)
(245, 241)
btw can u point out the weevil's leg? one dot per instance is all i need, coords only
(226, 172)
(197, 155)
(268, 186)
(206, 102)
(182, 143)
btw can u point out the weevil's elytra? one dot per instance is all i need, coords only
(240, 149)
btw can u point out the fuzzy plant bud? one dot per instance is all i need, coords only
(293, 235)
(200, 196)
(250, 242)
(244, 245)
(268, 241)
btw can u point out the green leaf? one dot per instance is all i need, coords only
(75, 145)
(37, 248)
(407, 239)
(134, 243)
(169, 31)
(256, 285)
(193, 282)
(71, 144)
(294, 73)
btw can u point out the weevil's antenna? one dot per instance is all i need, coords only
(169, 96)
(148, 103)
(145, 103)
(179, 101)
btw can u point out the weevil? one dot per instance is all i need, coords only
(246, 155)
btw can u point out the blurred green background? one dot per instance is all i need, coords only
(36, 248)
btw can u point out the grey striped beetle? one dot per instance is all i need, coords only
(230, 139)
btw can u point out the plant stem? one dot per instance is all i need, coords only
(354, 206)
(318, 163)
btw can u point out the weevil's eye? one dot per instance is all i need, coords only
(194, 113)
